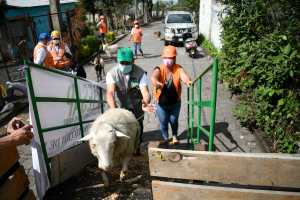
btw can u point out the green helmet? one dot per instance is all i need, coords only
(125, 54)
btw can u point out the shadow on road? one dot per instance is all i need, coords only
(221, 128)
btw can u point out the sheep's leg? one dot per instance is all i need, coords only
(105, 178)
(123, 173)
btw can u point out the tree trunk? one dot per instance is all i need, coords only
(55, 14)
(150, 8)
(145, 8)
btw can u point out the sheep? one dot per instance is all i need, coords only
(113, 139)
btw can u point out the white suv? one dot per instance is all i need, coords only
(179, 25)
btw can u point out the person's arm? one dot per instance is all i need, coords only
(67, 50)
(146, 106)
(17, 137)
(41, 55)
(110, 91)
(184, 77)
(155, 78)
(144, 89)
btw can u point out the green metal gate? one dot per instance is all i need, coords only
(196, 103)
(37, 99)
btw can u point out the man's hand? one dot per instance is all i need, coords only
(148, 107)
(14, 124)
(21, 136)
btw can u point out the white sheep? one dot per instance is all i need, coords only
(113, 138)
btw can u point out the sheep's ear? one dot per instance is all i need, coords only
(87, 137)
(120, 134)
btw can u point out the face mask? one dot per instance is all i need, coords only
(56, 42)
(125, 68)
(168, 62)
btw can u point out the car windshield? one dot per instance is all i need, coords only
(179, 18)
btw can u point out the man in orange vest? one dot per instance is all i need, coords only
(41, 55)
(102, 28)
(136, 37)
(166, 80)
(60, 51)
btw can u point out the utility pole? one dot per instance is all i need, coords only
(55, 14)
(136, 14)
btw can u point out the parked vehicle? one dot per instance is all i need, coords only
(190, 45)
(179, 26)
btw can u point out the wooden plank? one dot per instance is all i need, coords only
(29, 196)
(281, 170)
(8, 158)
(178, 191)
(15, 185)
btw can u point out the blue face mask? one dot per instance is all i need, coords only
(125, 68)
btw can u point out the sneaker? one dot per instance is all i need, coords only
(174, 141)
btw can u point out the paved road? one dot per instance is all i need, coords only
(230, 136)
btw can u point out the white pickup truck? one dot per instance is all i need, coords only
(178, 26)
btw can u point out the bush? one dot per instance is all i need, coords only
(110, 36)
(260, 61)
(88, 46)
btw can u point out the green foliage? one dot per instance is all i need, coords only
(208, 46)
(110, 36)
(88, 46)
(260, 61)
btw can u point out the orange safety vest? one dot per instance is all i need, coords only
(48, 62)
(163, 76)
(136, 35)
(102, 27)
(60, 61)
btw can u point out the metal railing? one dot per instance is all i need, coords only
(198, 103)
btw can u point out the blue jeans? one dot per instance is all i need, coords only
(137, 46)
(166, 115)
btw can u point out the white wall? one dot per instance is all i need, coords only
(209, 23)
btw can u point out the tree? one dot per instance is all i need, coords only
(89, 6)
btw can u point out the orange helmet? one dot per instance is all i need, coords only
(136, 22)
(169, 52)
(102, 17)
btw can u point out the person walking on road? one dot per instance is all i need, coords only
(102, 27)
(60, 51)
(166, 80)
(130, 84)
(41, 55)
(136, 37)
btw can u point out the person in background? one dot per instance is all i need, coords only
(17, 134)
(129, 83)
(102, 27)
(41, 55)
(136, 37)
(166, 80)
(60, 51)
